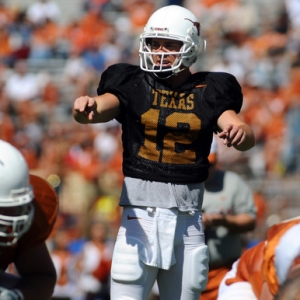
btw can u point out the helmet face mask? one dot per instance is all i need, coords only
(14, 222)
(16, 195)
(174, 23)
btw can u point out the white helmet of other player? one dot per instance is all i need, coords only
(16, 195)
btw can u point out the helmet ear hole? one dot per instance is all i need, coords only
(202, 46)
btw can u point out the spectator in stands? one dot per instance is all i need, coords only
(7, 127)
(64, 262)
(291, 139)
(95, 262)
(293, 11)
(41, 10)
(139, 12)
(96, 5)
(228, 211)
(21, 85)
(94, 58)
(20, 30)
(44, 39)
(76, 72)
(6, 49)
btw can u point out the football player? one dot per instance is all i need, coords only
(261, 270)
(28, 210)
(168, 117)
(228, 210)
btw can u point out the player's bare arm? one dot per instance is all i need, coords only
(239, 223)
(235, 132)
(96, 109)
(38, 275)
(235, 223)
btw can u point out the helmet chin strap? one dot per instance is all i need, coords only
(166, 74)
(163, 75)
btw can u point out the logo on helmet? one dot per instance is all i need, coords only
(196, 24)
(159, 29)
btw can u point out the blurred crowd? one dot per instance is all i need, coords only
(259, 44)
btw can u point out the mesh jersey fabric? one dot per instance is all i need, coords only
(167, 132)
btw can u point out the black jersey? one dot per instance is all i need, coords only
(167, 132)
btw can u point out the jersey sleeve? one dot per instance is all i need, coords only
(228, 92)
(116, 79)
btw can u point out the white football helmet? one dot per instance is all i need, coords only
(176, 23)
(16, 195)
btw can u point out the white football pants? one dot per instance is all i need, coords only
(159, 244)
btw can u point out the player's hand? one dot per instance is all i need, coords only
(86, 106)
(6, 294)
(205, 220)
(232, 135)
(214, 219)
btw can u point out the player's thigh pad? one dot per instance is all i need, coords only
(196, 269)
(126, 265)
